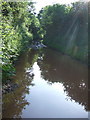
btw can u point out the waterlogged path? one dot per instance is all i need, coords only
(51, 85)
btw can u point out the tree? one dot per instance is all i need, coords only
(66, 28)
(17, 32)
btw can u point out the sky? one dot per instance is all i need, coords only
(42, 3)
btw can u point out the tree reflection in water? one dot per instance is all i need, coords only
(15, 102)
(71, 73)
(54, 67)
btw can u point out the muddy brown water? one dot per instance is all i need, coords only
(58, 88)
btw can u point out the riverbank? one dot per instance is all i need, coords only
(73, 56)
(9, 85)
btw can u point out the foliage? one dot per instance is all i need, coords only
(66, 28)
(63, 28)
(17, 32)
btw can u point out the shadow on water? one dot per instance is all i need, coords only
(54, 68)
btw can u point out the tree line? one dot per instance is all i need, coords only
(66, 28)
(63, 28)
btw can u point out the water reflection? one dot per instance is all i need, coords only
(50, 100)
(73, 75)
(58, 81)
(15, 102)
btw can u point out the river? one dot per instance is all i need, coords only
(58, 88)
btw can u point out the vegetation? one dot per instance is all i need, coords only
(61, 27)
(66, 28)
(19, 27)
